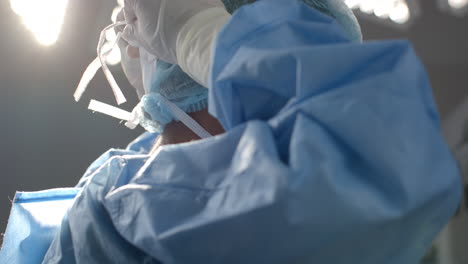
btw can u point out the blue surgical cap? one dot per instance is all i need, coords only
(175, 85)
(343, 15)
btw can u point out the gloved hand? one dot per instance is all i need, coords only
(155, 24)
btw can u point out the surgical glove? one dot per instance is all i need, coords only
(155, 24)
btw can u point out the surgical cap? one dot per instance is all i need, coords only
(174, 84)
(334, 8)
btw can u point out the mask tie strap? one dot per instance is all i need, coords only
(133, 118)
(88, 75)
(119, 96)
(109, 110)
(186, 119)
(96, 64)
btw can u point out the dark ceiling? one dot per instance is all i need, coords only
(48, 140)
(439, 37)
(441, 41)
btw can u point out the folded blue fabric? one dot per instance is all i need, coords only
(34, 219)
(98, 241)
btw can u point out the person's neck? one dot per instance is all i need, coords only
(176, 132)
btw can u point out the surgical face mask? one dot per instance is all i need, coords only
(148, 65)
(132, 69)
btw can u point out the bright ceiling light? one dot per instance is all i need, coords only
(352, 3)
(44, 18)
(454, 7)
(396, 11)
(383, 8)
(458, 4)
(366, 6)
(400, 13)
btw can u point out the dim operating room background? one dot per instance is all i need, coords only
(48, 140)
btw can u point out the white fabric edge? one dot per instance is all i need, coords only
(194, 46)
(109, 110)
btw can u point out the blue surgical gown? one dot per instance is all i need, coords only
(332, 154)
(34, 219)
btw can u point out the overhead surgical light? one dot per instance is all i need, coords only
(458, 4)
(396, 11)
(44, 18)
(456, 7)
(400, 13)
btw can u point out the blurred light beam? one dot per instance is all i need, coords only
(43, 18)
(396, 11)
(458, 4)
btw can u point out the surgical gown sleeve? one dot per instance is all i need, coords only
(333, 154)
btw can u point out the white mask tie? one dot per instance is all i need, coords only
(99, 62)
(132, 118)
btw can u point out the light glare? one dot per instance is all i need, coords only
(44, 18)
(367, 6)
(47, 213)
(383, 8)
(395, 10)
(458, 4)
(400, 14)
(115, 13)
(352, 4)
(111, 36)
(113, 58)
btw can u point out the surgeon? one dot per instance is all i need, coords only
(302, 144)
